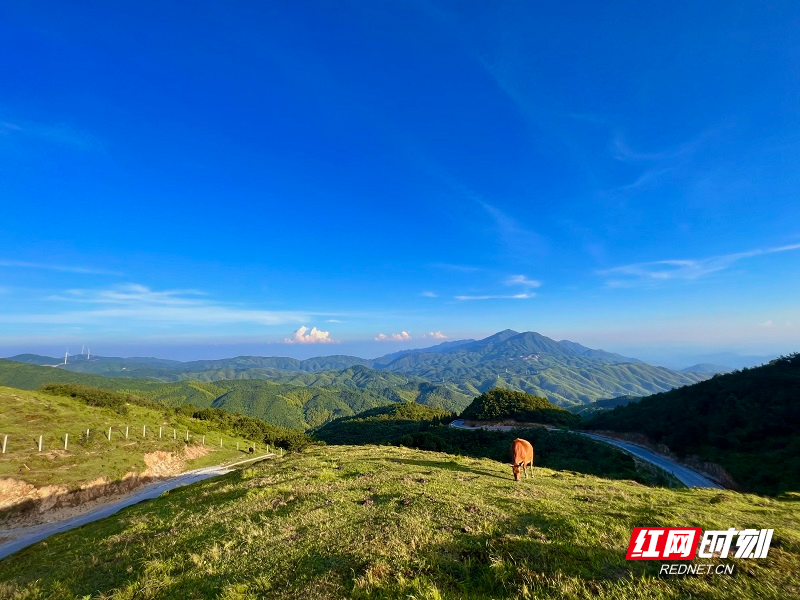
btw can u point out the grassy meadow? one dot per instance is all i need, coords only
(25, 415)
(393, 522)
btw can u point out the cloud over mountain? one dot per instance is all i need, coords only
(304, 335)
(393, 337)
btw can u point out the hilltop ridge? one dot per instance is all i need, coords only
(566, 372)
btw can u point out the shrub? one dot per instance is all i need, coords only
(255, 429)
(94, 396)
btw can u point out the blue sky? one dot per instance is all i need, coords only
(218, 178)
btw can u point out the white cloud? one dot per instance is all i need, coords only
(131, 293)
(622, 151)
(429, 294)
(512, 280)
(523, 281)
(136, 305)
(664, 270)
(54, 267)
(393, 337)
(436, 335)
(58, 133)
(767, 323)
(525, 296)
(304, 335)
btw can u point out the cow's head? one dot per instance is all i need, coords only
(515, 469)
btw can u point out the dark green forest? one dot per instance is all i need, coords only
(747, 421)
(254, 429)
(382, 425)
(498, 404)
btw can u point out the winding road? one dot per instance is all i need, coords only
(688, 477)
(25, 536)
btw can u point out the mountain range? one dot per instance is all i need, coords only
(565, 372)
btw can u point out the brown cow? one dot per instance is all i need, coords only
(521, 455)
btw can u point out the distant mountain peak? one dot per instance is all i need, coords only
(500, 336)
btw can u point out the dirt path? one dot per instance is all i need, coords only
(14, 540)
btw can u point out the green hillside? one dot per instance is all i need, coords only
(396, 387)
(384, 522)
(285, 405)
(747, 421)
(25, 415)
(392, 386)
(386, 424)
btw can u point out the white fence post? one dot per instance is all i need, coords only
(5, 443)
(204, 440)
(187, 435)
(87, 435)
(66, 440)
(173, 435)
(159, 431)
(220, 442)
(109, 434)
(40, 443)
(126, 432)
(144, 431)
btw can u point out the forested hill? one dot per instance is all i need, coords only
(294, 406)
(566, 373)
(748, 421)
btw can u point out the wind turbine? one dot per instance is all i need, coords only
(66, 355)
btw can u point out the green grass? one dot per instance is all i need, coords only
(387, 522)
(25, 415)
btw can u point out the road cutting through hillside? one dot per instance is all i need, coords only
(20, 538)
(688, 477)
